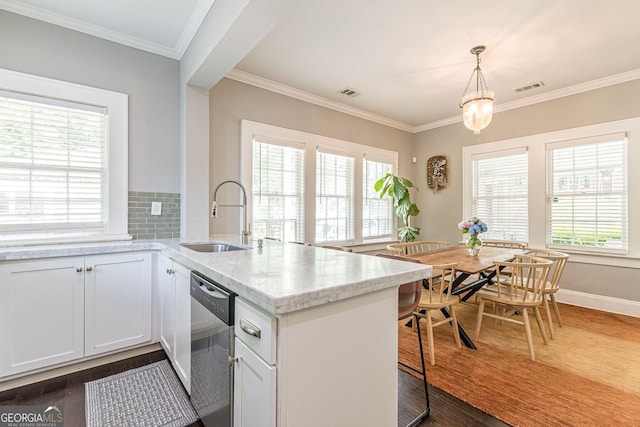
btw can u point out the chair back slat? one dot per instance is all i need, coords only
(504, 244)
(439, 284)
(525, 273)
(412, 248)
(559, 262)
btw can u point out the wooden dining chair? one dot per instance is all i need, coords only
(408, 299)
(436, 297)
(516, 294)
(504, 244)
(555, 274)
(338, 248)
(411, 248)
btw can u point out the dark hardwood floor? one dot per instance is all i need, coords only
(446, 410)
(68, 391)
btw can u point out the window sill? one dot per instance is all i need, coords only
(56, 239)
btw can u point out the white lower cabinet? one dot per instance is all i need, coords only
(175, 316)
(254, 398)
(57, 310)
(117, 302)
(41, 314)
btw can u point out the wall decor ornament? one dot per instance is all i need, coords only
(437, 178)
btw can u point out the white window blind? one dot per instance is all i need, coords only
(278, 189)
(53, 168)
(587, 194)
(377, 213)
(335, 198)
(500, 193)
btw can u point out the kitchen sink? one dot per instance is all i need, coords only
(212, 247)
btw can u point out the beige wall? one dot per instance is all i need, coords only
(443, 210)
(231, 101)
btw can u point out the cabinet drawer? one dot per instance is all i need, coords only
(257, 330)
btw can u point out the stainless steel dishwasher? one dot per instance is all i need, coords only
(212, 313)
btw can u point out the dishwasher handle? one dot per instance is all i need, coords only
(212, 292)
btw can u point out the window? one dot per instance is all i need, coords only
(377, 213)
(587, 193)
(63, 162)
(582, 191)
(310, 188)
(500, 193)
(278, 189)
(335, 198)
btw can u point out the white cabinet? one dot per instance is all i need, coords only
(175, 316)
(255, 371)
(60, 309)
(254, 399)
(117, 301)
(41, 314)
(167, 300)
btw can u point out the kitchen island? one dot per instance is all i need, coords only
(335, 317)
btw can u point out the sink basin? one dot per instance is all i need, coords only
(211, 247)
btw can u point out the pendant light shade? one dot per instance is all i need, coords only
(477, 106)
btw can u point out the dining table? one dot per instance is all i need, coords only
(479, 266)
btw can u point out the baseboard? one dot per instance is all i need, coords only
(599, 302)
(71, 367)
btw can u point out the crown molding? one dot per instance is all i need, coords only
(321, 101)
(270, 85)
(195, 21)
(570, 90)
(40, 14)
(543, 97)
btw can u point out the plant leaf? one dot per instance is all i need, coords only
(407, 183)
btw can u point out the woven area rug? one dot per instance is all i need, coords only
(148, 396)
(588, 376)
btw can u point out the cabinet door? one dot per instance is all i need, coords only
(254, 390)
(182, 360)
(166, 293)
(117, 301)
(41, 314)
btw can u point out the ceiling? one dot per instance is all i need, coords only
(408, 60)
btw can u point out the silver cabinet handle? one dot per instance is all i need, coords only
(79, 269)
(170, 271)
(249, 328)
(89, 268)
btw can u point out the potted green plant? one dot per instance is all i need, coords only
(397, 188)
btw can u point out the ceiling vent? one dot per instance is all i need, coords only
(530, 86)
(348, 92)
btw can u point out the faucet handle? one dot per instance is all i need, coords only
(214, 214)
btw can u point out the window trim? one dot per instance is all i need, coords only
(536, 145)
(550, 147)
(494, 155)
(117, 156)
(311, 142)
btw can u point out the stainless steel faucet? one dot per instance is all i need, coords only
(246, 232)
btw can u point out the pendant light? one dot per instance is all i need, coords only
(477, 106)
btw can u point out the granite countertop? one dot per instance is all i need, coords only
(279, 277)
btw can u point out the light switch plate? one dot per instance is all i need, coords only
(156, 208)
